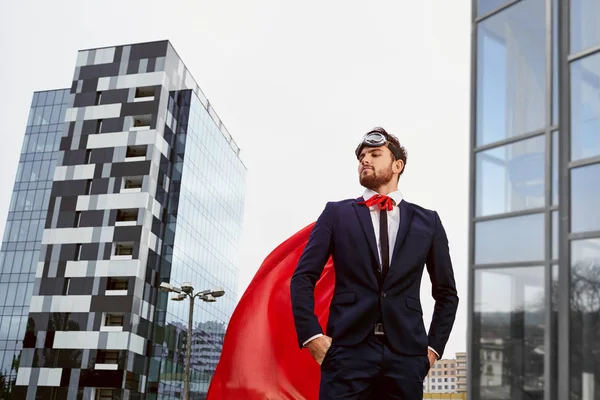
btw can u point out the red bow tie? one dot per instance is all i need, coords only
(384, 202)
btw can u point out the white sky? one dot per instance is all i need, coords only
(296, 83)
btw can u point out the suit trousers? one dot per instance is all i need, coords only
(371, 370)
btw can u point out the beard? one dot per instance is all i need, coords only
(376, 179)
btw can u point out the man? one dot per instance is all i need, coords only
(376, 346)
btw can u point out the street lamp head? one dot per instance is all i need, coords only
(166, 287)
(217, 292)
(208, 298)
(187, 287)
(179, 297)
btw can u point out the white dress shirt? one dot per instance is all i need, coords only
(393, 221)
(393, 226)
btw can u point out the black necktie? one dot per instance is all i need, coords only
(385, 245)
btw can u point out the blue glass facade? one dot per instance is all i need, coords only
(204, 227)
(25, 224)
(534, 287)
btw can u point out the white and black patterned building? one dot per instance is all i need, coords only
(137, 182)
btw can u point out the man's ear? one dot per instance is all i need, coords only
(398, 166)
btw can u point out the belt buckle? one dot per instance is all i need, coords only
(379, 329)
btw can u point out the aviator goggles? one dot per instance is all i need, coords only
(376, 139)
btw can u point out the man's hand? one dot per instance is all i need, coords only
(318, 347)
(432, 357)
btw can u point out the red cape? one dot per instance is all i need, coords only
(261, 359)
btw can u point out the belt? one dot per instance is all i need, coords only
(378, 330)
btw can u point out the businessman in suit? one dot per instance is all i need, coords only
(376, 346)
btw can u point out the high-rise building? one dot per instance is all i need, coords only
(443, 377)
(534, 287)
(126, 180)
(461, 372)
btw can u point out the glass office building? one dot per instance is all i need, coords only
(534, 277)
(126, 180)
(25, 225)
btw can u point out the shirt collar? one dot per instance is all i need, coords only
(396, 195)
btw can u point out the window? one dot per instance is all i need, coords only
(509, 317)
(98, 98)
(511, 72)
(584, 33)
(510, 239)
(132, 182)
(77, 219)
(113, 320)
(88, 156)
(136, 153)
(554, 168)
(99, 126)
(127, 217)
(131, 382)
(104, 394)
(77, 252)
(141, 122)
(584, 315)
(486, 6)
(107, 357)
(554, 235)
(585, 107)
(144, 94)
(511, 178)
(66, 285)
(123, 249)
(585, 198)
(117, 284)
(88, 187)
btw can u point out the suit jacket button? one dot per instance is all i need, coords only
(383, 294)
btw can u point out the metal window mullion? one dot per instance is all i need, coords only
(549, 357)
(511, 214)
(583, 53)
(512, 264)
(472, 359)
(584, 235)
(493, 12)
(509, 140)
(564, 273)
(584, 162)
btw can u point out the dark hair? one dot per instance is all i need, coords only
(398, 151)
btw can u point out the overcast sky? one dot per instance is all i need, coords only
(296, 83)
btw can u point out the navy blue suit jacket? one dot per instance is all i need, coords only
(345, 231)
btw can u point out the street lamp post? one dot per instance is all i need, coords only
(186, 290)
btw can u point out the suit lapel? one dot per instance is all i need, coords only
(364, 216)
(406, 214)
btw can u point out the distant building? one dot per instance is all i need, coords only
(461, 372)
(444, 396)
(447, 376)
